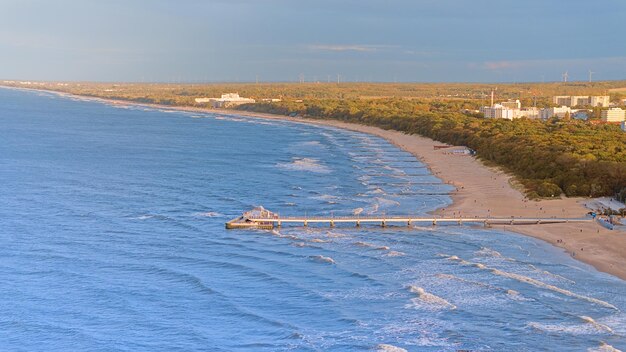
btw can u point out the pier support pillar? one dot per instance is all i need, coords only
(382, 224)
(306, 223)
(279, 224)
(408, 223)
(332, 223)
(358, 223)
(435, 222)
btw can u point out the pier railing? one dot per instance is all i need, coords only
(274, 220)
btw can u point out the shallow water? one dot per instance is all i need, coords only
(112, 224)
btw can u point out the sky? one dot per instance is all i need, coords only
(314, 40)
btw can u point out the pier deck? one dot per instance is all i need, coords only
(267, 220)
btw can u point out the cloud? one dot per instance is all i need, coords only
(346, 47)
(521, 64)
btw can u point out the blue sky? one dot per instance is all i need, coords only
(279, 40)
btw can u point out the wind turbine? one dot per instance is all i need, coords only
(590, 75)
(565, 75)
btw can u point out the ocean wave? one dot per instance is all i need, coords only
(604, 347)
(387, 202)
(488, 252)
(383, 347)
(357, 211)
(377, 191)
(395, 254)
(209, 214)
(512, 294)
(589, 327)
(310, 144)
(322, 259)
(336, 234)
(534, 282)
(595, 324)
(431, 300)
(305, 164)
(278, 234)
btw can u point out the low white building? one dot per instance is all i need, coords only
(531, 113)
(613, 115)
(560, 112)
(227, 100)
(497, 111)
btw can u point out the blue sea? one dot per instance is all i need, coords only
(113, 239)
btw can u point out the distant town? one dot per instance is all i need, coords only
(565, 106)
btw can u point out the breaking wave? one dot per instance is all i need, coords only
(209, 214)
(534, 282)
(322, 259)
(305, 164)
(389, 348)
(604, 347)
(430, 299)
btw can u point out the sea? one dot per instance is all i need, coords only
(112, 239)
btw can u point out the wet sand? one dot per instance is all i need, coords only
(485, 191)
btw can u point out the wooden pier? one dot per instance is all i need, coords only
(264, 219)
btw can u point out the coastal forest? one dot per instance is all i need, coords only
(568, 156)
(550, 158)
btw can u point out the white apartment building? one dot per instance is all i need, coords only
(558, 112)
(531, 113)
(613, 115)
(581, 100)
(497, 111)
(600, 100)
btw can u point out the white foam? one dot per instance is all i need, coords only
(595, 324)
(395, 254)
(430, 299)
(322, 259)
(590, 327)
(604, 347)
(305, 164)
(536, 283)
(209, 214)
(357, 211)
(389, 348)
(310, 143)
(488, 252)
(387, 202)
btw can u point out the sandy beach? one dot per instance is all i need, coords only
(484, 191)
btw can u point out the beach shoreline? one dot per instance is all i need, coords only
(481, 191)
